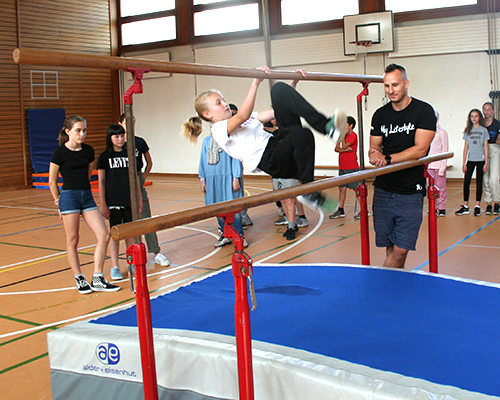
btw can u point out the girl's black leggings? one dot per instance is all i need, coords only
(471, 165)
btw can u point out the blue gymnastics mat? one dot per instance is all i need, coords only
(406, 334)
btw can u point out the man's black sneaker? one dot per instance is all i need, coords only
(496, 209)
(463, 210)
(489, 209)
(99, 284)
(477, 211)
(291, 233)
(82, 285)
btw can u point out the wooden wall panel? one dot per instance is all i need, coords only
(11, 162)
(65, 25)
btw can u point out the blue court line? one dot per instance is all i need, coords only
(30, 230)
(459, 242)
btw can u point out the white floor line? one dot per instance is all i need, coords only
(44, 257)
(309, 234)
(166, 272)
(30, 208)
(65, 321)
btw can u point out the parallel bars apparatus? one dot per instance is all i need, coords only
(242, 264)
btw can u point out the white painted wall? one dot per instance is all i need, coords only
(446, 62)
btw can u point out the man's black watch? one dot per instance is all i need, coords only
(388, 159)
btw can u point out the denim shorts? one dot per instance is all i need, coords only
(76, 201)
(397, 218)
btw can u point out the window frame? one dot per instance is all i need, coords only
(185, 10)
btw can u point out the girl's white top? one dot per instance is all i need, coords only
(246, 143)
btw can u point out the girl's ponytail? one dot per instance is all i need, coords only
(192, 128)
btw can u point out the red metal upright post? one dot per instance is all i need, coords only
(136, 255)
(362, 190)
(362, 194)
(242, 269)
(432, 195)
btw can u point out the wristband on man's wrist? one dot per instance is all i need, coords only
(388, 159)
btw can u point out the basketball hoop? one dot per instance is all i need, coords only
(361, 48)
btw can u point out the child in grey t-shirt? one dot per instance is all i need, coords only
(475, 157)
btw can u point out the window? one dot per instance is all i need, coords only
(150, 24)
(147, 21)
(44, 84)
(133, 7)
(150, 30)
(414, 5)
(227, 19)
(295, 12)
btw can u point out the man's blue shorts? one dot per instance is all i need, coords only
(76, 201)
(397, 218)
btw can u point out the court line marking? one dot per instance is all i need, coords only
(30, 208)
(292, 245)
(34, 260)
(458, 243)
(166, 272)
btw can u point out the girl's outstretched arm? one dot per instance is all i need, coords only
(266, 115)
(248, 104)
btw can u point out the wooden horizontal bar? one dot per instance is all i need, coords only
(63, 59)
(160, 222)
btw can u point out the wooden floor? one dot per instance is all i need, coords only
(37, 289)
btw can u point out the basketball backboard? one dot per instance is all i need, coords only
(377, 27)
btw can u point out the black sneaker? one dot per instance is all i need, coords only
(496, 209)
(477, 211)
(82, 285)
(489, 209)
(442, 213)
(338, 214)
(463, 210)
(291, 233)
(100, 284)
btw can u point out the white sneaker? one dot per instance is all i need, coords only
(281, 221)
(222, 241)
(162, 260)
(116, 274)
(336, 127)
(302, 222)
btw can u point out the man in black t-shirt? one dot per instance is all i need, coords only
(401, 130)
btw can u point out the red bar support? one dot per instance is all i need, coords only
(136, 87)
(432, 195)
(362, 194)
(136, 255)
(242, 269)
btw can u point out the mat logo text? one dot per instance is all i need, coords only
(107, 353)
